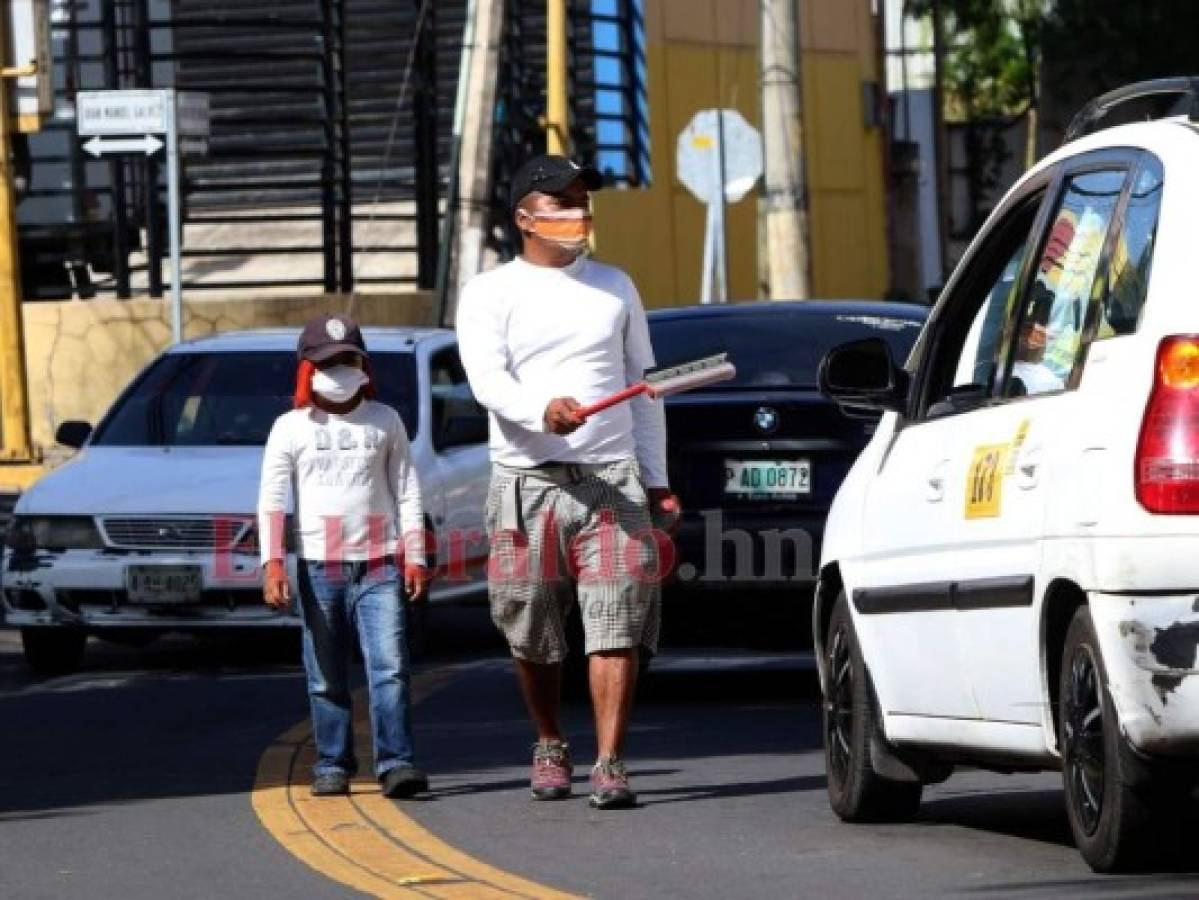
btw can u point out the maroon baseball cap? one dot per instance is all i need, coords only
(327, 336)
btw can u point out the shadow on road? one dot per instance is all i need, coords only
(1032, 815)
(179, 718)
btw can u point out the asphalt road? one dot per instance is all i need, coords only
(132, 780)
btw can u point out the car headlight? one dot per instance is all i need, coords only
(27, 534)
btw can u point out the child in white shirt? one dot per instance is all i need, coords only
(358, 515)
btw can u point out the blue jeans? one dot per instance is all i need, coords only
(337, 600)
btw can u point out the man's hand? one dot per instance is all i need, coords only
(560, 415)
(664, 508)
(275, 588)
(416, 581)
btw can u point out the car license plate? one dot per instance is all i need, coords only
(163, 584)
(767, 477)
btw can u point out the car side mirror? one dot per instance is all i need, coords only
(73, 433)
(458, 431)
(862, 375)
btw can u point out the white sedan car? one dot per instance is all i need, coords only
(150, 527)
(1009, 573)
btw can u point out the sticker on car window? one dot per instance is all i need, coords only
(984, 481)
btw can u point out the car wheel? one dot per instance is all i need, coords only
(857, 793)
(53, 651)
(1108, 817)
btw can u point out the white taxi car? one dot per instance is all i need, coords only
(1010, 571)
(150, 527)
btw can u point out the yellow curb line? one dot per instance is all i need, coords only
(364, 841)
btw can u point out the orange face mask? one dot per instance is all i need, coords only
(570, 228)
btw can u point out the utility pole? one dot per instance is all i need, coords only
(463, 240)
(786, 217)
(557, 60)
(14, 397)
(940, 144)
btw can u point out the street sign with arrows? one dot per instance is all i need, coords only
(127, 122)
(146, 144)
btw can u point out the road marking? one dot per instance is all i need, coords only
(364, 840)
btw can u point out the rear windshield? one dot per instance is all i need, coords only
(230, 399)
(776, 348)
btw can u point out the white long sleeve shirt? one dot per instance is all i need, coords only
(528, 334)
(355, 488)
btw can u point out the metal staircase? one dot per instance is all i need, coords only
(318, 175)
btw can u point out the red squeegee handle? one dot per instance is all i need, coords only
(585, 412)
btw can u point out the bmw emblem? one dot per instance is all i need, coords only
(766, 420)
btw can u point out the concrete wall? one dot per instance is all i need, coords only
(80, 354)
(705, 53)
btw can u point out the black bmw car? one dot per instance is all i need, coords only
(756, 461)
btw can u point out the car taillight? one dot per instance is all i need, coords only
(1167, 461)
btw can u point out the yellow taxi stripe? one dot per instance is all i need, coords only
(364, 841)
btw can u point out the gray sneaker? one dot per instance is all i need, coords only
(610, 785)
(331, 784)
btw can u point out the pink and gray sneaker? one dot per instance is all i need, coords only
(551, 770)
(610, 785)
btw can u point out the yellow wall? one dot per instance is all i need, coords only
(81, 354)
(705, 53)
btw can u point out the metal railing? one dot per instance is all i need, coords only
(320, 175)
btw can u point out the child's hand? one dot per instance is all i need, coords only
(275, 588)
(416, 581)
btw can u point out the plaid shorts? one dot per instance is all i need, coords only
(567, 532)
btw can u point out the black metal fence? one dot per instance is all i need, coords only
(327, 166)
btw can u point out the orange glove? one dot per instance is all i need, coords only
(275, 587)
(416, 581)
(665, 509)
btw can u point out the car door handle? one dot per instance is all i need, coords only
(1028, 468)
(936, 482)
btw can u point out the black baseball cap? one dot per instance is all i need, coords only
(549, 174)
(327, 336)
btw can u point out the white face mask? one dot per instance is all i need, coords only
(339, 384)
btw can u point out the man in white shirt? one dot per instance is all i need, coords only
(358, 511)
(572, 504)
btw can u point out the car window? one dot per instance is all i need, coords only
(979, 358)
(1132, 254)
(456, 414)
(968, 340)
(207, 399)
(1049, 334)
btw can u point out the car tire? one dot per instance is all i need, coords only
(53, 651)
(1109, 814)
(857, 793)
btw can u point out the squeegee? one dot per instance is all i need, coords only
(664, 382)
